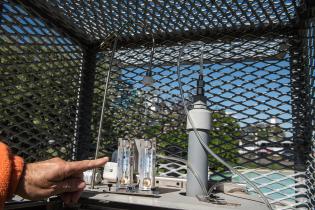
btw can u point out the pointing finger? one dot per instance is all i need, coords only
(81, 166)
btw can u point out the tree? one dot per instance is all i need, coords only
(263, 132)
(224, 140)
(38, 94)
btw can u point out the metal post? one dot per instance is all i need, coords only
(299, 105)
(299, 116)
(197, 156)
(310, 64)
(83, 132)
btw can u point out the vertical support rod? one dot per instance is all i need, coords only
(299, 105)
(307, 36)
(299, 114)
(83, 133)
(99, 135)
(310, 65)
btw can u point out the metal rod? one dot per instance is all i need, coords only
(103, 109)
(106, 88)
(151, 55)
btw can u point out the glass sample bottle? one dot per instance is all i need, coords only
(125, 163)
(147, 156)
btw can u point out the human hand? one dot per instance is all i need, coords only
(55, 177)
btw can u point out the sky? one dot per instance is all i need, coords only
(252, 92)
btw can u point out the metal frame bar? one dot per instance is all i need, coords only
(300, 96)
(47, 11)
(161, 38)
(309, 106)
(299, 100)
(84, 118)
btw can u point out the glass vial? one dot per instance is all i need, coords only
(147, 156)
(125, 163)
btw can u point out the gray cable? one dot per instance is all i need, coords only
(199, 137)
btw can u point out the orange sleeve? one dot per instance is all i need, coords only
(11, 168)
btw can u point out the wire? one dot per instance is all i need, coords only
(151, 55)
(199, 137)
(201, 58)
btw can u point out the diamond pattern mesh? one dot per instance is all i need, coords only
(99, 18)
(39, 83)
(259, 83)
(248, 90)
(285, 196)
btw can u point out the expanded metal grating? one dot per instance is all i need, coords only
(99, 18)
(258, 70)
(249, 91)
(40, 77)
(279, 186)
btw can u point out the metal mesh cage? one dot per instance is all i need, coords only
(258, 70)
(248, 86)
(99, 18)
(249, 91)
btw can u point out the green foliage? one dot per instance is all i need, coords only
(123, 111)
(171, 141)
(38, 96)
(224, 139)
(40, 84)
